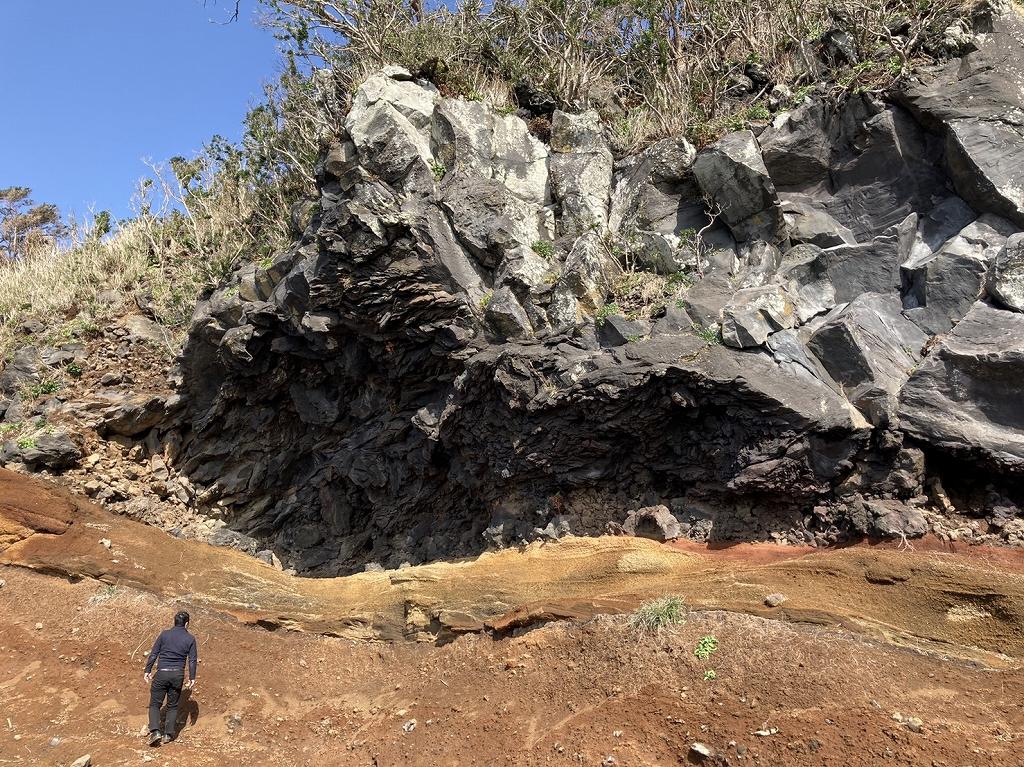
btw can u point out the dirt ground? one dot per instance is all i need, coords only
(867, 637)
(566, 693)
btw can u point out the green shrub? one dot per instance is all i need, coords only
(706, 647)
(74, 370)
(655, 615)
(46, 386)
(544, 249)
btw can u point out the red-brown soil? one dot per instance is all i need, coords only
(865, 634)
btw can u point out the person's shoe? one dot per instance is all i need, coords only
(166, 739)
(154, 738)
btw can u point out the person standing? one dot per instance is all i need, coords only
(170, 651)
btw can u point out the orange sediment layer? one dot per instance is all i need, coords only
(968, 601)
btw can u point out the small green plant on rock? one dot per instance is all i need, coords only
(606, 311)
(543, 248)
(710, 675)
(486, 299)
(658, 613)
(27, 443)
(712, 336)
(74, 370)
(438, 169)
(46, 386)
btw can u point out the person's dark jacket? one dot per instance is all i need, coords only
(173, 646)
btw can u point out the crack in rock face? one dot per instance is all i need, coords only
(441, 363)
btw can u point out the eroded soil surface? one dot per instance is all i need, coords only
(865, 634)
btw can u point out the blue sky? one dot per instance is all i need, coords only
(92, 87)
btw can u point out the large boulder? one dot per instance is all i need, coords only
(872, 267)
(796, 147)
(976, 103)
(26, 367)
(809, 223)
(869, 348)
(581, 172)
(940, 288)
(733, 175)
(867, 165)
(755, 313)
(655, 191)
(50, 450)
(655, 522)
(964, 399)
(389, 124)
(804, 272)
(136, 414)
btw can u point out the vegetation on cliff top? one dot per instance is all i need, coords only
(649, 67)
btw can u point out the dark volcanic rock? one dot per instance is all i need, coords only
(869, 347)
(51, 451)
(977, 104)
(138, 413)
(940, 288)
(448, 358)
(965, 399)
(655, 522)
(732, 173)
(1006, 277)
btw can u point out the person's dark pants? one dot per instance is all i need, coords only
(165, 684)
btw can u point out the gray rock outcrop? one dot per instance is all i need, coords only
(438, 364)
(965, 397)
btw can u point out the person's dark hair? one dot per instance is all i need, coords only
(181, 619)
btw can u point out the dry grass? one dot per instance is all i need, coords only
(657, 614)
(158, 262)
(652, 69)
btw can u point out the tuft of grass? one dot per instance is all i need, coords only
(655, 615)
(104, 594)
(706, 647)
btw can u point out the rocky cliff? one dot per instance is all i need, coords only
(807, 331)
(810, 330)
